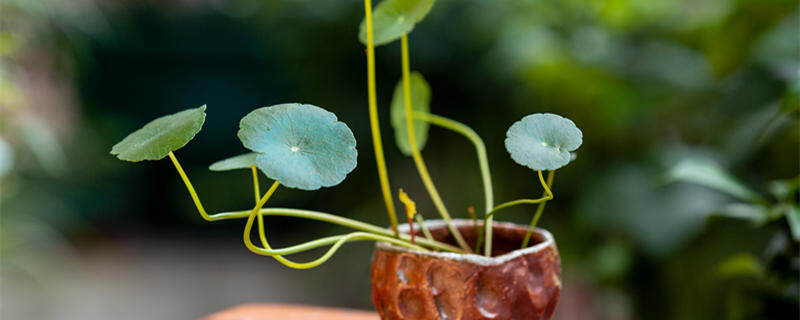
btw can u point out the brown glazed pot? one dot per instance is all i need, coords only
(513, 284)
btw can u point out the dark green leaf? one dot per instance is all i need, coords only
(161, 136)
(392, 19)
(299, 145)
(420, 101)
(242, 161)
(543, 141)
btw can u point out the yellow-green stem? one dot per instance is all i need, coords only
(421, 223)
(256, 187)
(377, 143)
(547, 195)
(420, 163)
(538, 213)
(480, 149)
(372, 232)
(189, 187)
(334, 219)
(267, 250)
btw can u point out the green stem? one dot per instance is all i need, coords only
(256, 187)
(538, 213)
(267, 250)
(298, 213)
(374, 123)
(334, 219)
(420, 163)
(546, 196)
(425, 231)
(480, 149)
(189, 187)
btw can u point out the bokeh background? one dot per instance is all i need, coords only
(651, 83)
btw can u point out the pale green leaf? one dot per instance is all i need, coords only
(783, 189)
(242, 161)
(420, 101)
(392, 19)
(6, 158)
(543, 141)
(793, 217)
(706, 172)
(161, 136)
(299, 145)
(757, 214)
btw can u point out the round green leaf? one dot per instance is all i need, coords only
(161, 136)
(242, 161)
(543, 141)
(299, 145)
(394, 18)
(420, 101)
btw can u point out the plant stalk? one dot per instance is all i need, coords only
(420, 163)
(256, 187)
(377, 143)
(298, 213)
(267, 250)
(480, 149)
(538, 213)
(547, 195)
(425, 231)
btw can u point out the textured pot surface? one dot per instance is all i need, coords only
(513, 284)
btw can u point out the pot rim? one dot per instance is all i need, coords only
(471, 257)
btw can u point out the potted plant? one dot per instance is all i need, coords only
(445, 269)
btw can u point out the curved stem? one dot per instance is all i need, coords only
(546, 196)
(189, 187)
(420, 163)
(372, 232)
(249, 244)
(483, 162)
(267, 250)
(538, 213)
(480, 149)
(373, 120)
(334, 219)
(337, 241)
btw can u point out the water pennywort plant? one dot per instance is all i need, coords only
(305, 147)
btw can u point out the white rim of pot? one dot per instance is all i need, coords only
(472, 257)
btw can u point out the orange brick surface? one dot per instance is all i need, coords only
(289, 312)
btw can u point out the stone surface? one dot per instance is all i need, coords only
(524, 284)
(289, 312)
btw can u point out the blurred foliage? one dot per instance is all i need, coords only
(649, 82)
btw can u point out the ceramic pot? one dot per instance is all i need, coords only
(513, 284)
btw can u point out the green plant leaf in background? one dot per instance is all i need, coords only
(242, 161)
(740, 265)
(420, 101)
(394, 18)
(543, 141)
(793, 217)
(783, 189)
(299, 145)
(706, 172)
(161, 136)
(755, 213)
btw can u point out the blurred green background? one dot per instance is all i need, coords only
(651, 83)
